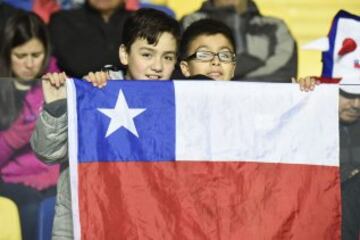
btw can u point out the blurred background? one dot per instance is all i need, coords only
(307, 19)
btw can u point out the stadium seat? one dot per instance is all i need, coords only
(46, 217)
(9, 220)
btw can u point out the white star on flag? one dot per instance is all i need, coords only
(121, 116)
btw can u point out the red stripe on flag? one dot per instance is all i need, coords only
(208, 200)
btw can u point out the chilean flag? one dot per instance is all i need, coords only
(204, 160)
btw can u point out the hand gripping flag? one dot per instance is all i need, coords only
(203, 160)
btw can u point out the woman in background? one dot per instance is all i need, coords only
(24, 56)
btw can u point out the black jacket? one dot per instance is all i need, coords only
(349, 150)
(83, 41)
(351, 209)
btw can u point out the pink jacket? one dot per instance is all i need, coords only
(18, 163)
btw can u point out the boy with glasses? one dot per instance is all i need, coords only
(265, 48)
(208, 48)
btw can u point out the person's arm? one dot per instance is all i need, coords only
(6, 151)
(50, 139)
(14, 138)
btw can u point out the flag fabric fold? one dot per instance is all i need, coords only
(203, 160)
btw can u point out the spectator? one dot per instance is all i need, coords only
(24, 56)
(87, 38)
(208, 48)
(266, 51)
(148, 51)
(349, 107)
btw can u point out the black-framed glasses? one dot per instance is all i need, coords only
(207, 56)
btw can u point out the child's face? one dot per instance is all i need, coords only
(150, 62)
(215, 68)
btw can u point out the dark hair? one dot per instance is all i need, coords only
(149, 24)
(206, 27)
(19, 29)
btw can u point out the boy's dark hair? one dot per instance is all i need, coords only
(206, 27)
(149, 24)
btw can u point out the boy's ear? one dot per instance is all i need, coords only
(184, 66)
(123, 55)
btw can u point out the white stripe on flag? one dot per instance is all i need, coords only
(73, 153)
(277, 124)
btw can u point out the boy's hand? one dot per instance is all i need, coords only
(98, 79)
(306, 84)
(54, 86)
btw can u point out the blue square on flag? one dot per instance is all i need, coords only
(123, 122)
